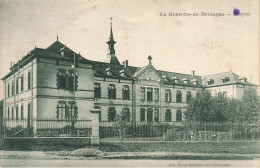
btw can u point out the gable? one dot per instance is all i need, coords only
(149, 73)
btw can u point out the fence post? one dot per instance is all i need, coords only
(95, 126)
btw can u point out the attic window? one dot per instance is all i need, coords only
(164, 77)
(226, 79)
(194, 81)
(243, 79)
(185, 80)
(211, 81)
(175, 79)
(122, 72)
(108, 71)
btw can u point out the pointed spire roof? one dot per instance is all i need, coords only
(111, 57)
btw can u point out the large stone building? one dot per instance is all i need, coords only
(57, 82)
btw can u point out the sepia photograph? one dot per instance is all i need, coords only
(92, 83)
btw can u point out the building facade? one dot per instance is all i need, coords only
(59, 83)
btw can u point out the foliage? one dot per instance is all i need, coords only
(86, 152)
(208, 108)
(121, 123)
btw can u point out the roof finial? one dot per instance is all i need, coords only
(150, 59)
(57, 37)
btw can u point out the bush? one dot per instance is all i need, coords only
(86, 152)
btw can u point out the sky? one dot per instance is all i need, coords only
(206, 44)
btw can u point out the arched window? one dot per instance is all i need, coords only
(126, 114)
(29, 80)
(168, 115)
(111, 91)
(188, 96)
(178, 96)
(111, 114)
(97, 90)
(178, 116)
(126, 93)
(168, 95)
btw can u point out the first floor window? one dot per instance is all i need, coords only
(188, 96)
(178, 116)
(142, 89)
(126, 93)
(142, 114)
(17, 85)
(67, 80)
(29, 80)
(61, 79)
(149, 115)
(12, 88)
(111, 114)
(156, 115)
(168, 115)
(149, 94)
(168, 95)
(111, 91)
(12, 113)
(21, 83)
(8, 91)
(156, 94)
(178, 96)
(8, 113)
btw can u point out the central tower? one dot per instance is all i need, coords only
(111, 57)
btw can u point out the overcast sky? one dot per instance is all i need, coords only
(180, 44)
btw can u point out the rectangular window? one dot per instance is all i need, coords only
(61, 110)
(8, 91)
(178, 96)
(72, 110)
(67, 80)
(21, 83)
(168, 95)
(149, 115)
(22, 116)
(29, 80)
(97, 90)
(142, 114)
(188, 97)
(17, 85)
(111, 91)
(156, 115)
(142, 93)
(156, 94)
(149, 94)
(126, 93)
(178, 116)
(12, 88)
(61, 79)
(168, 115)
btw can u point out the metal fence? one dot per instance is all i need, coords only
(176, 131)
(47, 127)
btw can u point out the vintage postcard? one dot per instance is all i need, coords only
(92, 83)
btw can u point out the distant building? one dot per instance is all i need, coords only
(57, 82)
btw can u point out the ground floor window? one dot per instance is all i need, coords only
(142, 114)
(149, 115)
(111, 114)
(156, 115)
(67, 110)
(126, 112)
(168, 115)
(178, 116)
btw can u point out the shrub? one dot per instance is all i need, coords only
(86, 152)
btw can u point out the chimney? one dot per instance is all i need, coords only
(193, 73)
(125, 63)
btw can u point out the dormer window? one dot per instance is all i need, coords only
(243, 79)
(108, 71)
(194, 81)
(175, 79)
(164, 77)
(122, 73)
(185, 80)
(226, 79)
(211, 81)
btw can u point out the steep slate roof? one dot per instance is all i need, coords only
(218, 79)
